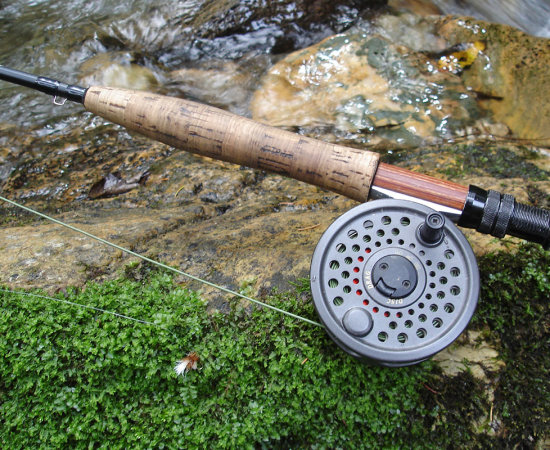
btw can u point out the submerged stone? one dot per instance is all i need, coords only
(386, 84)
(117, 70)
(512, 79)
(365, 87)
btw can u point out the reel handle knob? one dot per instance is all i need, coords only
(431, 232)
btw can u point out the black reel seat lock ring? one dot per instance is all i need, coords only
(394, 282)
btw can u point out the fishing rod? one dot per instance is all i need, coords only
(394, 280)
(357, 174)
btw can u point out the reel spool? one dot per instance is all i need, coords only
(394, 282)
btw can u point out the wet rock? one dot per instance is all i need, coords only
(116, 70)
(49, 256)
(268, 233)
(213, 219)
(511, 77)
(386, 84)
(470, 352)
(363, 87)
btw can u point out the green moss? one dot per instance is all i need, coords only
(515, 304)
(498, 162)
(77, 377)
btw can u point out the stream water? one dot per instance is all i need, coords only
(75, 40)
(219, 52)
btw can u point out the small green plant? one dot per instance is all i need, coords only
(75, 377)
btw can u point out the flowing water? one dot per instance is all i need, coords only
(67, 39)
(137, 43)
(211, 51)
(531, 16)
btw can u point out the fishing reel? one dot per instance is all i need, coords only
(394, 282)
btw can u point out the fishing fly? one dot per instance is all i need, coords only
(187, 364)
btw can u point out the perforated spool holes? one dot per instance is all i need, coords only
(425, 335)
(449, 308)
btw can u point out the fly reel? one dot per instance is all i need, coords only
(394, 282)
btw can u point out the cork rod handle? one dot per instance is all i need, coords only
(218, 134)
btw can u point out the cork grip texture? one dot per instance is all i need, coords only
(218, 134)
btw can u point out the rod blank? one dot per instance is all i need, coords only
(44, 84)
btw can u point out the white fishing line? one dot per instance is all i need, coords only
(80, 305)
(159, 264)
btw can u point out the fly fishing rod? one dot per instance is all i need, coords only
(394, 280)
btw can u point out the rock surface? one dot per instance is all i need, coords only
(470, 352)
(365, 87)
(240, 226)
(381, 83)
(512, 76)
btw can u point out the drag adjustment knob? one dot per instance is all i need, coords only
(394, 276)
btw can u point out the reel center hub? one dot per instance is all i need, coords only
(394, 276)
